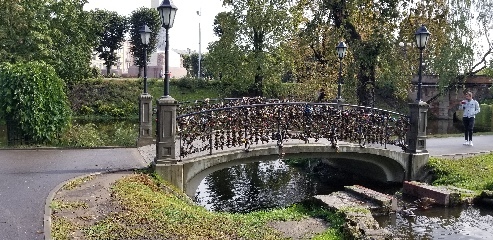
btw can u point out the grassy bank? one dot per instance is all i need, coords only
(473, 173)
(149, 209)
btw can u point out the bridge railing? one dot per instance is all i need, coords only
(220, 126)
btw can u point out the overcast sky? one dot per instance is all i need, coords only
(185, 31)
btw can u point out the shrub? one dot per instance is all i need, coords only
(33, 100)
(109, 98)
(86, 135)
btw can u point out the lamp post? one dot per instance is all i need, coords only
(166, 105)
(418, 110)
(145, 99)
(167, 11)
(199, 13)
(145, 34)
(341, 52)
(422, 35)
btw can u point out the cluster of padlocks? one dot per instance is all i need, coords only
(218, 125)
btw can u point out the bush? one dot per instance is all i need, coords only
(33, 100)
(96, 72)
(109, 98)
(90, 135)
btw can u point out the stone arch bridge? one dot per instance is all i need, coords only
(211, 135)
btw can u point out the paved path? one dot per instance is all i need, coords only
(28, 176)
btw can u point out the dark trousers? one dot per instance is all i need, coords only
(468, 126)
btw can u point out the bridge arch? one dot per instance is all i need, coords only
(380, 164)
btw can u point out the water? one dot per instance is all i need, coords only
(265, 185)
(272, 184)
(470, 222)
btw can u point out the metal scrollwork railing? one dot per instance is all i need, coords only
(216, 126)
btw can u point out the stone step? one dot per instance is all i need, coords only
(385, 201)
(441, 195)
(359, 224)
(359, 197)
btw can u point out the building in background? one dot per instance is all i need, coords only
(155, 67)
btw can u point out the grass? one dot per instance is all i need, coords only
(473, 173)
(61, 228)
(58, 205)
(77, 182)
(152, 210)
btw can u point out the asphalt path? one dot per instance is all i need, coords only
(28, 176)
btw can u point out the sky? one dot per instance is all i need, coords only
(185, 32)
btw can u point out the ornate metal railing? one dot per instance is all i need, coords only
(243, 122)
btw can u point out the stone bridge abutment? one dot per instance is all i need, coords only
(376, 163)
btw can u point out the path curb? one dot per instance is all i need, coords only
(49, 199)
(53, 192)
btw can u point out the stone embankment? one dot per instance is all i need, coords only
(446, 196)
(359, 204)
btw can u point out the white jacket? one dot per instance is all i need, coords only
(471, 108)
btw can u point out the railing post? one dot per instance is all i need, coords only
(416, 135)
(210, 132)
(166, 134)
(145, 120)
(246, 118)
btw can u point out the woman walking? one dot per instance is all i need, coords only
(471, 108)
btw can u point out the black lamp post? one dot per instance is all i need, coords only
(418, 110)
(145, 99)
(167, 11)
(166, 105)
(422, 35)
(341, 52)
(145, 34)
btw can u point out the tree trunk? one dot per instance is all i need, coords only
(258, 41)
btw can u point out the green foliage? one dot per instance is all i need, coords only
(473, 173)
(250, 33)
(56, 32)
(92, 135)
(111, 29)
(484, 119)
(96, 73)
(191, 63)
(34, 100)
(157, 211)
(138, 18)
(108, 98)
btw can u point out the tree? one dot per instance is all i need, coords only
(260, 27)
(111, 35)
(34, 101)
(57, 32)
(227, 60)
(460, 44)
(138, 18)
(191, 63)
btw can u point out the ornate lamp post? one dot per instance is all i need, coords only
(422, 36)
(166, 111)
(145, 99)
(418, 110)
(145, 34)
(341, 52)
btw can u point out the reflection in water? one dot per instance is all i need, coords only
(442, 223)
(254, 186)
(269, 184)
(264, 185)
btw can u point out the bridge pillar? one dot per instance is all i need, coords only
(172, 173)
(145, 120)
(166, 130)
(416, 135)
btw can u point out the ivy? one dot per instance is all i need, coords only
(34, 100)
